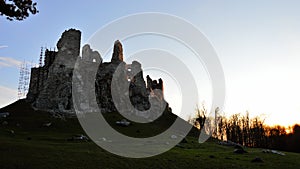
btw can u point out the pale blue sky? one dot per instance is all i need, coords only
(258, 43)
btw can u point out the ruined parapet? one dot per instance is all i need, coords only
(37, 78)
(39, 75)
(89, 55)
(49, 57)
(149, 83)
(84, 80)
(33, 85)
(153, 84)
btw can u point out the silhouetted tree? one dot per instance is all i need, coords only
(257, 132)
(17, 9)
(221, 127)
(246, 129)
(296, 138)
(276, 137)
(254, 133)
(201, 116)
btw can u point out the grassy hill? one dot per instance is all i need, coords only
(26, 144)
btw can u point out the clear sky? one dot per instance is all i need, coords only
(258, 44)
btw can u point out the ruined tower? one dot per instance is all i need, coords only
(50, 85)
(118, 52)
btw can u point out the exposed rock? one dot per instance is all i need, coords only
(48, 124)
(105, 140)
(273, 152)
(238, 146)
(4, 123)
(239, 151)
(4, 114)
(179, 145)
(184, 140)
(257, 160)
(230, 143)
(173, 136)
(123, 123)
(78, 137)
(212, 156)
(12, 132)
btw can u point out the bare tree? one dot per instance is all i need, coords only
(200, 116)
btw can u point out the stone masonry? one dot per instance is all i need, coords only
(51, 85)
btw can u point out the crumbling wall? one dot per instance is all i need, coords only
(49, 58)
(51, 85)
(39, 76)
(33, 85)
(130, 75)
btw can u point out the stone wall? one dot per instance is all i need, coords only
(39, 76)
(56, 94)
(51, 84)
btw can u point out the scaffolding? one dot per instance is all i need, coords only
(24, 76)
(41, 57)
(26, 79)
(21, 81)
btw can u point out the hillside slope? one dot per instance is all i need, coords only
(26, 144)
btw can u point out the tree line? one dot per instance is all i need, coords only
(251, 132)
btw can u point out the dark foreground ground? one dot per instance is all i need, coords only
(26, 144)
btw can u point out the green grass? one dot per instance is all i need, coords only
(48, 147)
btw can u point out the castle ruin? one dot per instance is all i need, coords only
(51, 84)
